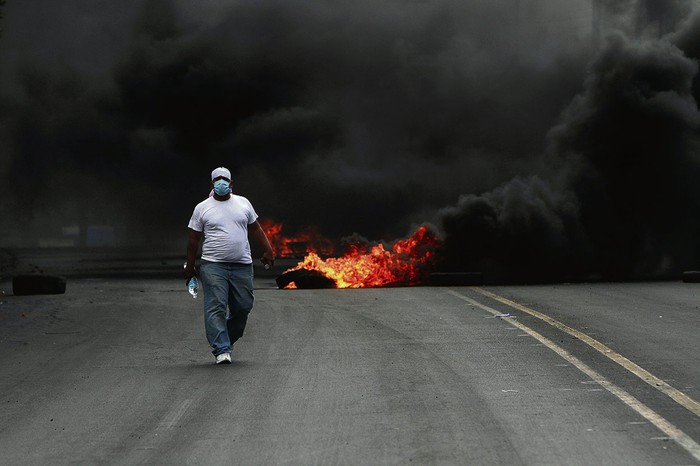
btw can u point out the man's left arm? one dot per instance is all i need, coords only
(256, 231)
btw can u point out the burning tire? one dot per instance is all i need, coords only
(692, 276)
(38, 284)
(305, 279)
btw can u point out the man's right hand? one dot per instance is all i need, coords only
(189, 272)
(192, 245)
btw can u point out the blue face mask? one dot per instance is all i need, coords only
(222, 187)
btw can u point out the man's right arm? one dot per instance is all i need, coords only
(192, 246)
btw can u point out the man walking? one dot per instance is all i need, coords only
(226, 269)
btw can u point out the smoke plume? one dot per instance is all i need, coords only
(621, 198)
(349, 116)
(362, 117)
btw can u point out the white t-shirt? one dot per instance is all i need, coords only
(225, 227)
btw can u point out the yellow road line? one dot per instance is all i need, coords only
(678, 396)
(673, 432)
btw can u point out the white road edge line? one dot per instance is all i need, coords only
(676, 395)
(673, 432)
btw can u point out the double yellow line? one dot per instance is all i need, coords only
(690, 445)
(678, 396)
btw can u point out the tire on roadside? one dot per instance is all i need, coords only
(691, 276)
(38, 284)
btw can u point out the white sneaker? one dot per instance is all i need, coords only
(223, 358)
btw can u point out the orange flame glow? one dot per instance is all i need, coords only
(307, 240)
(408, 262)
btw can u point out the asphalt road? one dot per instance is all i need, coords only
(117, 371)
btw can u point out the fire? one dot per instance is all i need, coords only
(307, 240)
(407, 262)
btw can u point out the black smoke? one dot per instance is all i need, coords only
(362, 117)
(349, 116)
(621, 199)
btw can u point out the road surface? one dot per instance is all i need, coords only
(118, 371)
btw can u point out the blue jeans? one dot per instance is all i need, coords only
(226, 284)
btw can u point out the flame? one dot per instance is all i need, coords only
(408, 262)
(306, 241)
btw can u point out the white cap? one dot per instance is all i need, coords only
(221, 171)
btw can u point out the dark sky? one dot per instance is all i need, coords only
(501, 126)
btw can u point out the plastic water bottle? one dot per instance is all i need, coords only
(193, 287)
